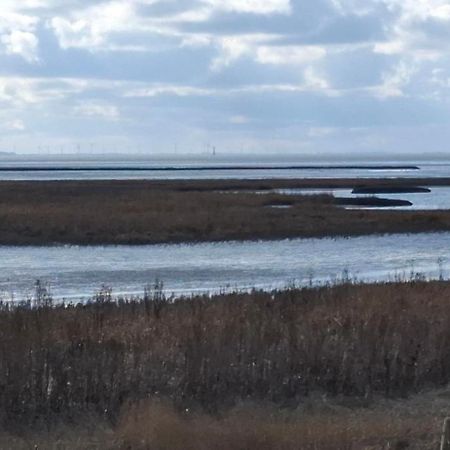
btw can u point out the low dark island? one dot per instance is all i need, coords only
(375, 202)
(390, 190)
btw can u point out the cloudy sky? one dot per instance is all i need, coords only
(297, 76)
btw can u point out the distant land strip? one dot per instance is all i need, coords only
(194, 168)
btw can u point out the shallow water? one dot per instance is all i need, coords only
(154, 172)
(438, 198)
(78, 272)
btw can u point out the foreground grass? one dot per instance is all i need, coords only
(319, 424)
(145, 212)
(324, 367)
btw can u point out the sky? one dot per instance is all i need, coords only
(370, 77)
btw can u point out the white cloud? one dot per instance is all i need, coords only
(76, 33)
(179, 91)
(416, 42)
(22, 43)
(11, 20)
(14, 5)
(95, 27)
(90, 27)
(289, 55)
(95, 109)
(389, 47)
(407, 34)
(18, 35)
(440, 78)
(14, 125)
(22, 91)
(395, 81)
(255, 47)
(239, 120)
(231, 49)
(222, 60)
(252, 6)
(441, 13)
(320, 132)
(197, 40)
(424, 9)
(202, 14)
(17, 91)
(314, 80)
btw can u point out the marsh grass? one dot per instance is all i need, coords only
(311, 368)
(249, 426)
(356, 341)
(144, 212)
(319, 423)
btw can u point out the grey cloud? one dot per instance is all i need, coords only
(351, 84)
(167, 9)
(309, 23)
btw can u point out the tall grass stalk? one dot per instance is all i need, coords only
(57, 361)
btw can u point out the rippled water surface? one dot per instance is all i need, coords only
(438, 198)
(76, 272)
(225, 168)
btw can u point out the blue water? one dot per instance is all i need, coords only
(78, 272)
(261, 169)
(438, 198)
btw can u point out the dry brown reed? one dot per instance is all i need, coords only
(349, 340)
(298, 368)
(322, 426)
(319, 424)
(137, 212)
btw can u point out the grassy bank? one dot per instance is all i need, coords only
(348, 345)
(320, 424)
(144, 212)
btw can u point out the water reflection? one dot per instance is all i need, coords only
(438, 198)
(76, 272)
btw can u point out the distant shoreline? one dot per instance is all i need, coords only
(201, 168)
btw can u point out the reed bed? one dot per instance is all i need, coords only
(355, 341)
(333, 367)
(146, 212)
(320, 425)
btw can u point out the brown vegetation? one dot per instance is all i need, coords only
(138, 212)
(302, 183)
(354, 342)
(319, 424)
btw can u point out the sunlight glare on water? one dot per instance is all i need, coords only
(78, 272)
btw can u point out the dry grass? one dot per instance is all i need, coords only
(138, 212)
(322, 368)
(349, 340)
(323, 427)
(319, 424)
